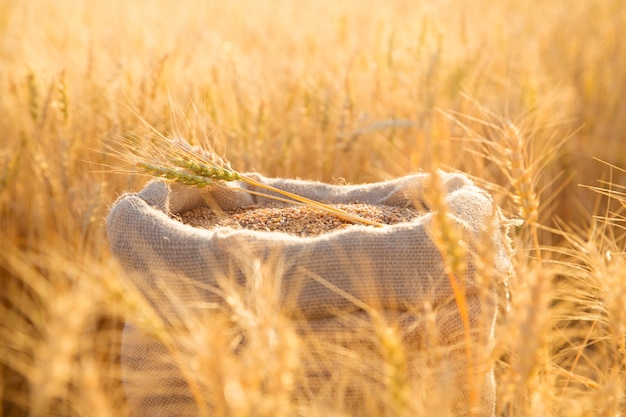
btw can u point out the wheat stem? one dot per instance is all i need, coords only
(448, 240)
(312, 203)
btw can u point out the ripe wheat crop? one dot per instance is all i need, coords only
(524, 97)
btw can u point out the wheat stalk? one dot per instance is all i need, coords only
(454, 252)
(520, 157)
(176, 160)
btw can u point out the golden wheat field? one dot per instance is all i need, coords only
(526, 97)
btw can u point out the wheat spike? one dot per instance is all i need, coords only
(176, 160)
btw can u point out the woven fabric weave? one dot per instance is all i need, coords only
(395, 270)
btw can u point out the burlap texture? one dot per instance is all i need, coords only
(396, 270)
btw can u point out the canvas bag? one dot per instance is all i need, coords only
(396, 269)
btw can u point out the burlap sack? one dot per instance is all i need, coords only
(396, 270)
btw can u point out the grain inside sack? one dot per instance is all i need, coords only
(184, 247)
(295, 220)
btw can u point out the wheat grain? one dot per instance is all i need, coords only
(297, 220)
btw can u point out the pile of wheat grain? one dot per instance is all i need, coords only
(297, 220)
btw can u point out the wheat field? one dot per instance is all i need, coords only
(526, 97)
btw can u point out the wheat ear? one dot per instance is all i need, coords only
(178, 161)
